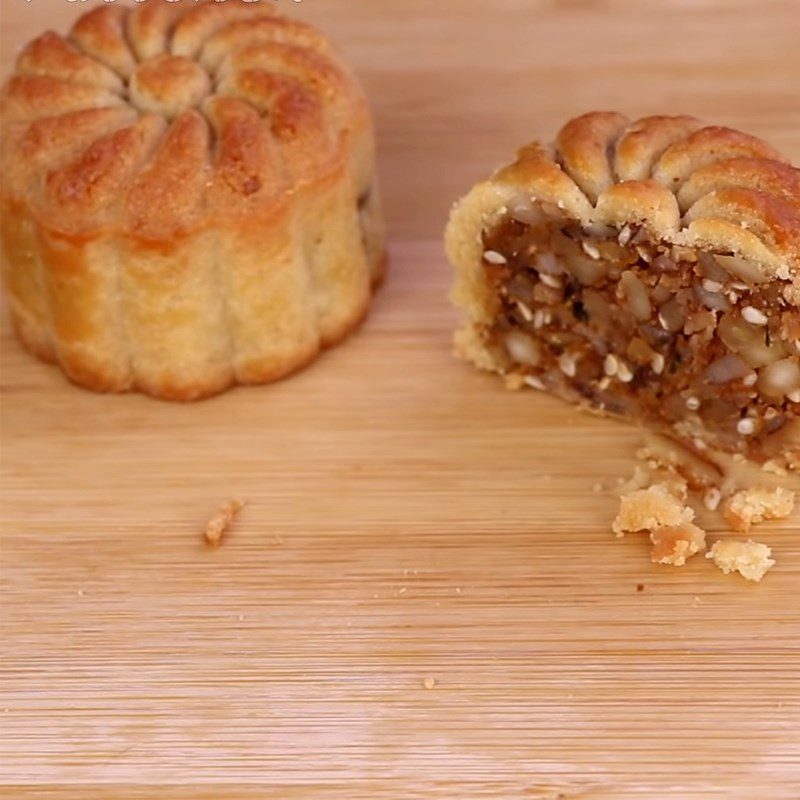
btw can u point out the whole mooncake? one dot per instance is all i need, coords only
(188, 199)
(649, 270)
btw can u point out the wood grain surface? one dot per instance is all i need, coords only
(422, 597)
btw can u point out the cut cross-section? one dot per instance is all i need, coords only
(670, 297)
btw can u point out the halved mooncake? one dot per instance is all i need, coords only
(189, 197)
(645, 269)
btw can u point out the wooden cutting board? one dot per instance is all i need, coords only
(409, 523)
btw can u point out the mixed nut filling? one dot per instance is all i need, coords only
(703, 344)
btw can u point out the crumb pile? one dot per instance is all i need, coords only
(655, 501)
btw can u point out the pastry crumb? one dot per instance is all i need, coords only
(514, 381)
(650, 509)
(775, 468)
(429, 683)
(640, 479)
(750, 559)
(674, 545)
(751, 506)
(639, 587)
(221, 521)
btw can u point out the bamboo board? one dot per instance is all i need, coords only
(422, 597)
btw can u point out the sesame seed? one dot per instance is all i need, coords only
(692, 403)
(534, 382)
(604, 383)
(750, 380)
(625, 235)
(711, 286)
(553, 281)
(794, 396)
(754, 316)
(527, 314)
(539, 318)
(566, 363)
(610, 365)
(590, 250)
(658, 363)
(493, 257)
(624, 372)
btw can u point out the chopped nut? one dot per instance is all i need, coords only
(727, 369)
(522, 348)
(637, 297)
(751, 506)
(779, 378)
(750, 559)
(699, 471)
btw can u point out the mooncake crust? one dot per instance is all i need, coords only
(189, 197)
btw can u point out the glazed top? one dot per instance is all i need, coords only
(157, 117)
(689, 183)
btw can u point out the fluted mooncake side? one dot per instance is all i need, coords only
(189, 198)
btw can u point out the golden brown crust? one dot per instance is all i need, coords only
(645, 141)
(606, 168)
(193, 197)
(583, 145)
